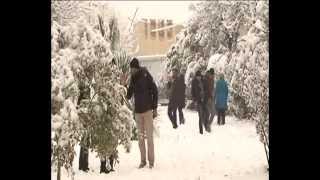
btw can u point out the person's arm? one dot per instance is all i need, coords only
(227, 91)
(154, 93)
(215, 93)
(130, 90)
(193, 93)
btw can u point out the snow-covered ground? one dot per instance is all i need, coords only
(232, 151)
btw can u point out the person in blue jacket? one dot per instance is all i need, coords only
(221, 98)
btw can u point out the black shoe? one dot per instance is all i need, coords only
(142, 165)
(151, 166)
(104, 170)
(175, 126)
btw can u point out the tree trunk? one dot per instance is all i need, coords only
(59, 171)
(265, 149)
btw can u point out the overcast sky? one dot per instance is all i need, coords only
(175, 10)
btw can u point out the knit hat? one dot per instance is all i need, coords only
(198, 73)
(134, 63)
(211, 71)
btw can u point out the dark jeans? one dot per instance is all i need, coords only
(221, 116)
(181, 117)
(172, 113)
(203, 116)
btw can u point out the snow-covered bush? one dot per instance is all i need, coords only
(231, 37)
(81, 55)
(66, 127)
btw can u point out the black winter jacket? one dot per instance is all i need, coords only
(196, 90)
(144, 90)
(177, 90)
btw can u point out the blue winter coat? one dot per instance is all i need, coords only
(221, 95)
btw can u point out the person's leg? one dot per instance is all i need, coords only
(223, 114)
(86, 155)
(200, 113)
(214, 112)
(211, 113)
(219, 117)
(181, 117)
(141, 134)
(174, 117)
(149, 130)
(111, 162)
(81, 159)
(103, 167)
(204, 116)
(208, 116)
(171, 115)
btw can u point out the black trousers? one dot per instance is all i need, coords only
(181, 117)
(221, 116)
(84, 159)
(172, 113)
(203, 116)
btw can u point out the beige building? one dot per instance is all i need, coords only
(155, 36)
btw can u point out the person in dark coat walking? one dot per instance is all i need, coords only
(210, 104)
(182, 96)
(221, 98)
(199, 91)
(145, 93)
(176, 88)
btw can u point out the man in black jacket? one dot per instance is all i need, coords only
(199, 91)
(145, 94)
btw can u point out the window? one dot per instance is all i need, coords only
(161, 32)
(145, 28)
(153, 26)
(170, 30)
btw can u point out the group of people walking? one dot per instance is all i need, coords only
(210, 100)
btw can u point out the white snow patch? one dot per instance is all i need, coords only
(232, 151)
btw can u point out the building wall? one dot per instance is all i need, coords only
(155, 43)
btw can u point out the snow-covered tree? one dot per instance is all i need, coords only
(81, 54)
(66, 127)
(232, 37)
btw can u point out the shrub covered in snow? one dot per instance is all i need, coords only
(81, 55)
(231, 37)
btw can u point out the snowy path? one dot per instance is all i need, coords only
(232, 151)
